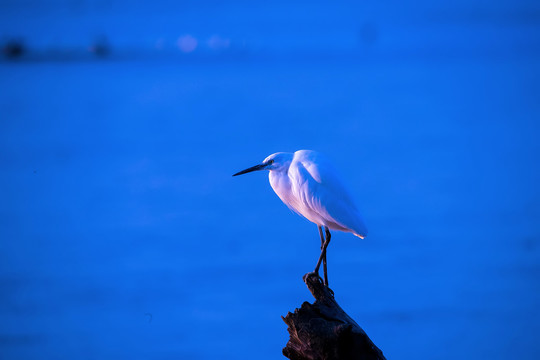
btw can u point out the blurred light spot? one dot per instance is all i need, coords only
(187, 43)
(216, 42)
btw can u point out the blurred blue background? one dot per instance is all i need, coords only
(123, 234)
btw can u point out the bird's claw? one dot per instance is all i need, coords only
(313, 273)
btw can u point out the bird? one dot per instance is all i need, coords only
(307, 182)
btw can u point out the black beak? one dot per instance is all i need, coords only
(253, 168)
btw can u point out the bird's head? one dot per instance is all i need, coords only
(276, 162)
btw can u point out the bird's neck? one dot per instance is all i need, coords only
(281, 183)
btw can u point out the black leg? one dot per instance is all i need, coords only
(324, 257)
(323, 252)
(324, 260)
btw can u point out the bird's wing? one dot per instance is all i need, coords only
(318, 188)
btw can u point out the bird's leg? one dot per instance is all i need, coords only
(324, 260)
(324, 257)
(323, 252)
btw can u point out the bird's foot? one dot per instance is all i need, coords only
(316, 275)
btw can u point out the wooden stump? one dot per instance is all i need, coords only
(323, 331)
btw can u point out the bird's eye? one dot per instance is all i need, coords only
(270, 162)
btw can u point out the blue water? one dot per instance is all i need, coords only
(123, 234)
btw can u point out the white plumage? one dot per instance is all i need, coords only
(309, 185)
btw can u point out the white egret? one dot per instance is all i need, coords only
(308, 184)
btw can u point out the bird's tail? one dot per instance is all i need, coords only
(360, 229)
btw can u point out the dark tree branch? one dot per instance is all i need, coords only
(323, 331)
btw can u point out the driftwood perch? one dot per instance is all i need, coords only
(323, 331)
